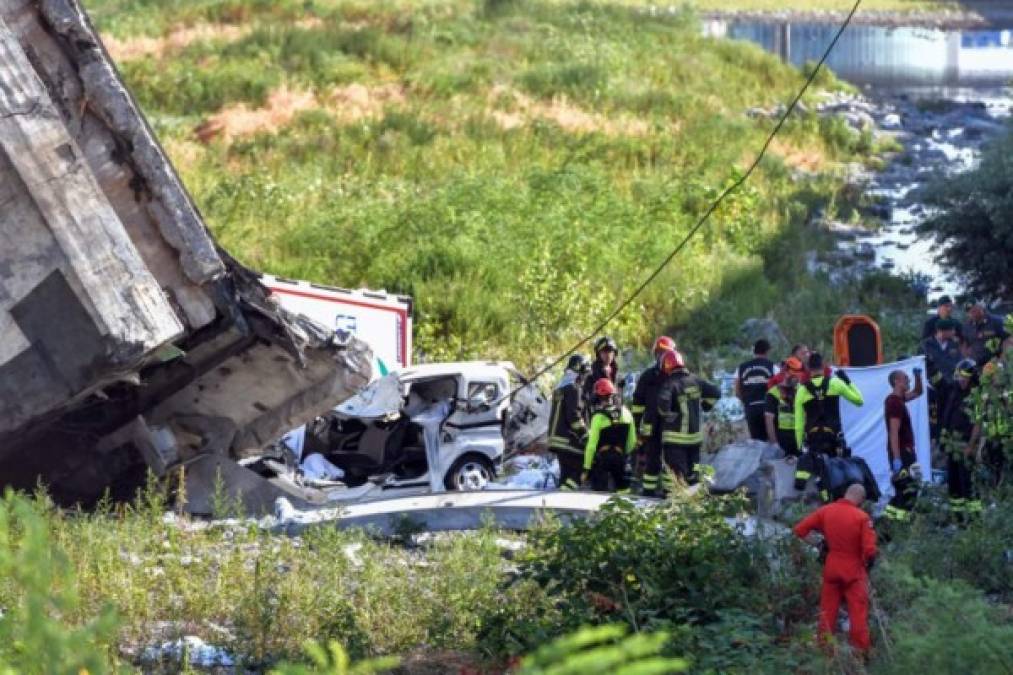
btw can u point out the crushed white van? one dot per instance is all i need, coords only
(426, 428)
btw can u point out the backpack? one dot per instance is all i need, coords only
(839, 473)
(823, 419)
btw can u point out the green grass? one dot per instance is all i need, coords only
(512, 237)
(91, 591)
(259, 595)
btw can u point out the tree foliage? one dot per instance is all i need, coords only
(975, 227)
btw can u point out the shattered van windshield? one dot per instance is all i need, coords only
(382, 398)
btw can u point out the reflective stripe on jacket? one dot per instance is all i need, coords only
(784, 408)
(834, 390)
(567, 428)
(682, 400)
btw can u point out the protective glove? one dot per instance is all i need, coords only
(843, 376)
(896, 465)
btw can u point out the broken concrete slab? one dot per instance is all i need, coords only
(734, 464)
(509, 509)
(210, 479)
(758, 467)
(118, 313)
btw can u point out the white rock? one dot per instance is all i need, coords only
(351, 552)
(198, 653)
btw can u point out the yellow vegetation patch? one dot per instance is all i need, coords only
(809, 159)
(282, 106)
(181, 37)
(511, 109)
(178, 39)
(184, 152)
(346, 104)
(357, 101)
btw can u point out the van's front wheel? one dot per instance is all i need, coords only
(470, 472)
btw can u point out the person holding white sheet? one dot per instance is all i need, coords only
(901, 443)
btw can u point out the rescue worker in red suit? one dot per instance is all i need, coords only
(851, 543)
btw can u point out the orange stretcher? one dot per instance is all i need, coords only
(857, 341)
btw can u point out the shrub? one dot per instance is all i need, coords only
(604, 649)
(332, 659)
(39, 596)
(682, 568)
(939, 627)
(974, 227)
(578, 80)
(975, 553)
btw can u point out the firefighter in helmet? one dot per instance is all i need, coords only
(568, 421)
(682, 400)
(611, 438)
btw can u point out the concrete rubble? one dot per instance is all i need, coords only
(762, 469)
(129, 340)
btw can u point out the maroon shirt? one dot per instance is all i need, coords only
(896, 408)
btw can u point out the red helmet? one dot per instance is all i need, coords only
(671, 360)
(662, 344)
(794, 366)
(604, 387)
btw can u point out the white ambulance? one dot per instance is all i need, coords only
(380, 319)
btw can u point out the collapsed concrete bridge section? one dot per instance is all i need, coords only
(128, 340)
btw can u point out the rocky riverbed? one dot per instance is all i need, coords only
(940, 136)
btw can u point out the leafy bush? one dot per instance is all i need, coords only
(939, 627)
(975, 553)
(40, 598)
(974, 228)
(681, 563)
(332, 659)
(604, 649)
(992, 403)
(725, 600)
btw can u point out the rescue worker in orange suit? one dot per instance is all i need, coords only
(645, 415)
(751, 388)
(900, 438)
(851, 549)
(606, 351)
(779, 410)
(568, 422)
(611, 437)
(682, 400)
